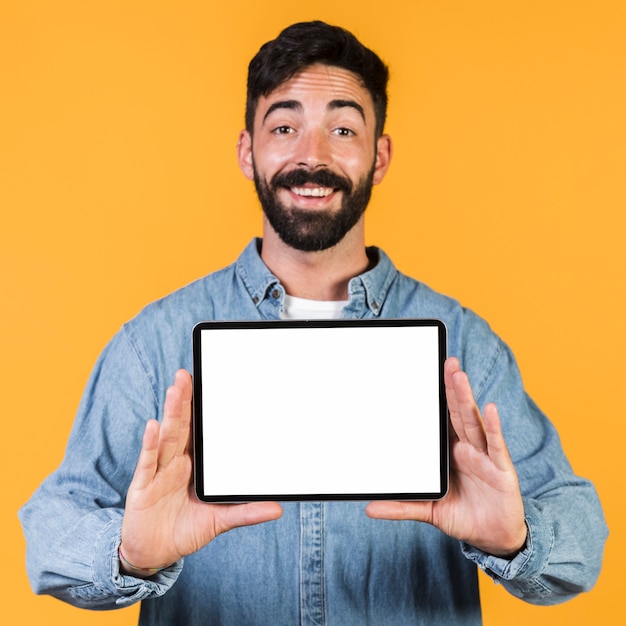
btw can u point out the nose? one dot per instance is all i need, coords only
(313, 149)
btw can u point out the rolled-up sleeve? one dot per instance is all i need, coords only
(566, 526)
(73, 521)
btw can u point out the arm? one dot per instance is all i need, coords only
(73, 523)
(528, 522)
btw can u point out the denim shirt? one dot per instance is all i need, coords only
(321, 562)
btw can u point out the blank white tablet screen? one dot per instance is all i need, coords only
(336, 410)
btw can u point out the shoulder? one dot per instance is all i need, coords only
(470, 336)
(160, 335)
(192, 302)
(411, 297)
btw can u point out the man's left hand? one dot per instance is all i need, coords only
(483, 506)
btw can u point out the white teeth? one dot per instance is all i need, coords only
(315, 192)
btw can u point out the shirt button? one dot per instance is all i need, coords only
(276, 294)
(375, 306)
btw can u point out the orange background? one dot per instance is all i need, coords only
(119, 183)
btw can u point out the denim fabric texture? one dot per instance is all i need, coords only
(321, 562)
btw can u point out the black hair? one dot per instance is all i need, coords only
(304, 44)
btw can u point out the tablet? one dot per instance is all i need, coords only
(320, 410)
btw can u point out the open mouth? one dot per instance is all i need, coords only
(312, 192)
(309, 187)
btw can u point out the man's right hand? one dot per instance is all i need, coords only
(164, 520)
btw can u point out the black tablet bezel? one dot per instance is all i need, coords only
(198, 422)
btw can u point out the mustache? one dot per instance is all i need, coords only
(321, 178)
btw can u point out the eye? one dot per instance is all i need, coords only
(283, 130)
(344, 132)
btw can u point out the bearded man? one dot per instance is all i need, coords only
(106, 530)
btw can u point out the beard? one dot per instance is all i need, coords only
(312, 230)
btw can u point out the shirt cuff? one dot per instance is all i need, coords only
(128, 589)
(530, 562)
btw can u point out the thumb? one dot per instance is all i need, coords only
(228, 516)
(388, 509)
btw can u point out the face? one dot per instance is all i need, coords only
(314, 156)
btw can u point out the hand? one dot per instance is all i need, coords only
(483, 506)
(164, 520)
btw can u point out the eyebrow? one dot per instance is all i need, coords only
(282, 104)
(338, 104)
(297, 106)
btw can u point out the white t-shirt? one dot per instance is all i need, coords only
(303, 309)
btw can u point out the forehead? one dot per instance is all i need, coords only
(320, 84)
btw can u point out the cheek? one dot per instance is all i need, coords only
(268, 159)
(359, 164)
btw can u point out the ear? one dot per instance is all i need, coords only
(244, 154)
(384, 149)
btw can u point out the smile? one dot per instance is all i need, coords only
(312, 192)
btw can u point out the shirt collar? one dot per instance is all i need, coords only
(376, 282)
(255, 275)
(370, 287)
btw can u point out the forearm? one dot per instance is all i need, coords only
(78, 562)
(566, 526)
(563, 553)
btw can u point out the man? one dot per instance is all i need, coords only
(103, 534)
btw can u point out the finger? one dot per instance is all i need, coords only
(450, 367)
(468, 412)
(231, 516)
(170, 426)
(147, 462)
(496, 446)
(387, 509)
(182, 380)
(465, 416)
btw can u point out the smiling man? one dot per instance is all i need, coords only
(314, 148)
(315, 157)
(107, 530)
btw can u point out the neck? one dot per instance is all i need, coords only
(320, 275)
